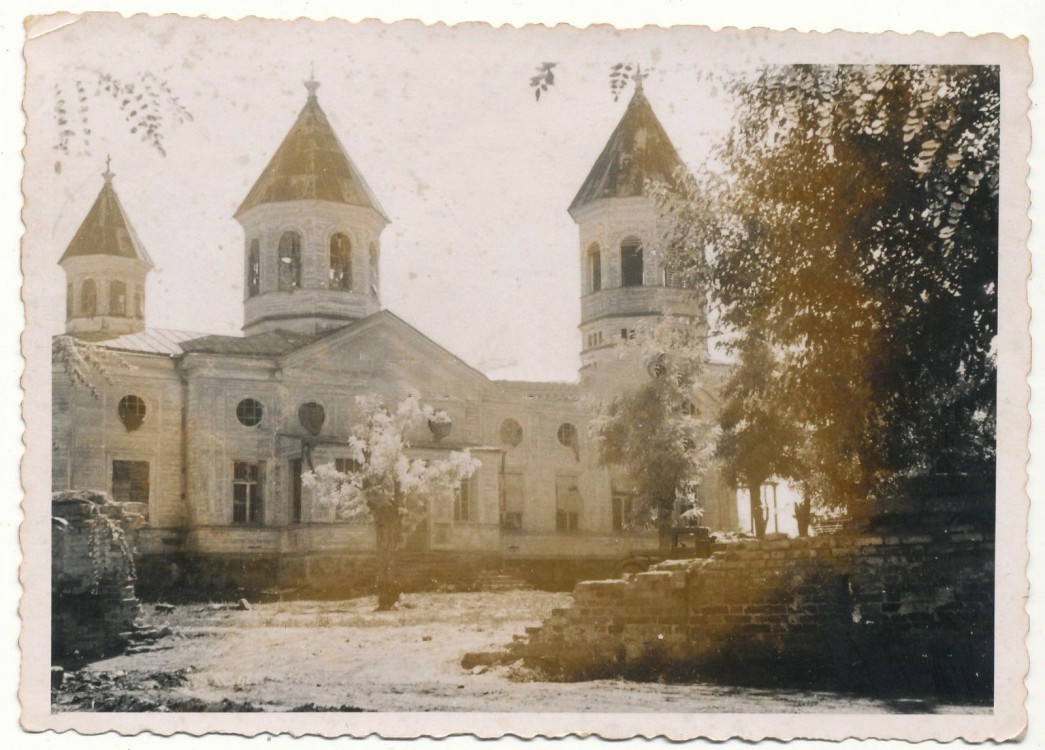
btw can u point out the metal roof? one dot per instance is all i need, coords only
(638, 150)
(311, 164)
(106, 230)
(152, 341)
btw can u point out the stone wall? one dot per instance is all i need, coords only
(901, 606)
(93, 606)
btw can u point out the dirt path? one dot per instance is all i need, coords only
(344, 656)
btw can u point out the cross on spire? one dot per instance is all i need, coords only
(639, 75)
(107, 175)
(312, 84)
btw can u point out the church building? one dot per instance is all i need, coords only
(208, 433)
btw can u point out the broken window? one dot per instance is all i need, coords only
(623, 510)
(88, 298)
(130, 482)
(247, 505)
(463, 500)
(595, 267)
(295, 490)
(131, 411)
(512, 517)
(631, 263)
(289, 261)
(567, 503)
(117, 298)
(254, 268)
(340, 262)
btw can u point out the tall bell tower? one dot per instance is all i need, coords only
(626, 289)
(105, 267)
(313, 231)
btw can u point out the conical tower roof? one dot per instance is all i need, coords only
(106, 230)
(638, 150)
(311, 164)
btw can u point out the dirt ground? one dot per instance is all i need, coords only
(343, 656)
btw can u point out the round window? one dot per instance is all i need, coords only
(568, 435)
(249, 412)
(511, 432)
(131, 411)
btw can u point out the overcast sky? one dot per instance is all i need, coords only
(474, 174)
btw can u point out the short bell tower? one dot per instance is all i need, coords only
(105, 267)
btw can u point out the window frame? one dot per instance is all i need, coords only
(88, 301)
(341, 272)
(253, 484)
(130, 464)
(632, 262)
(464, 503)
(117, 298)
(288, 273)
(253, 280)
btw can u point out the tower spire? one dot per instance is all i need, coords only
(639, 75)
(312, 84)
(107, 175)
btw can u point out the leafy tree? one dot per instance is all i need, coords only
(656, 433)
(385, 486)
(851, 224)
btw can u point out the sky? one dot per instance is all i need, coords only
(474, 173)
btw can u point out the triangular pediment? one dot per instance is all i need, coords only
(383, 347)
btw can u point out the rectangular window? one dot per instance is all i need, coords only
(464, 497)
(514, 489)
(567, 504)
(247, 496)
(130, 482)
(295, 490)
(622, 511)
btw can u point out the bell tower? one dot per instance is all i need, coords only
(626, 289)
(312, 234)
(105, 267)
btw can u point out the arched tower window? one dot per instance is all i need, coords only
(88, 298)
(68, 301)
(630, 263)
(340, 262)
(595, 267)
(289, 261)
(117, 298)
(373, 269)
(139, 301)
(254, 268)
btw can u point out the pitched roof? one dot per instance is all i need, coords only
(638, 150)
(311, 164)
(106, 230)
(152, 341)
(267, 344)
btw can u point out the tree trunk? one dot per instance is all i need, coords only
(387, 525)
(802, 513)
(758, 516)
(665, 505)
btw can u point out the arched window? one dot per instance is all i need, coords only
(139, 301)
(131, 411)
(511, 432)
(88, 298)
(68, 301)
(340, 262)
(568, 437)
(117, 298)
(374, 285)
(630, 263)
(289, 261)
(595, 267)
(254, 268)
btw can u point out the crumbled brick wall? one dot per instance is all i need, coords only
(93, 606)
(878, 609)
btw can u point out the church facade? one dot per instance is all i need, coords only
(208, 433)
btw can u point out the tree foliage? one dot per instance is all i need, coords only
(386, 486)
(656, 433)
(850, 227)
(85, 362)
